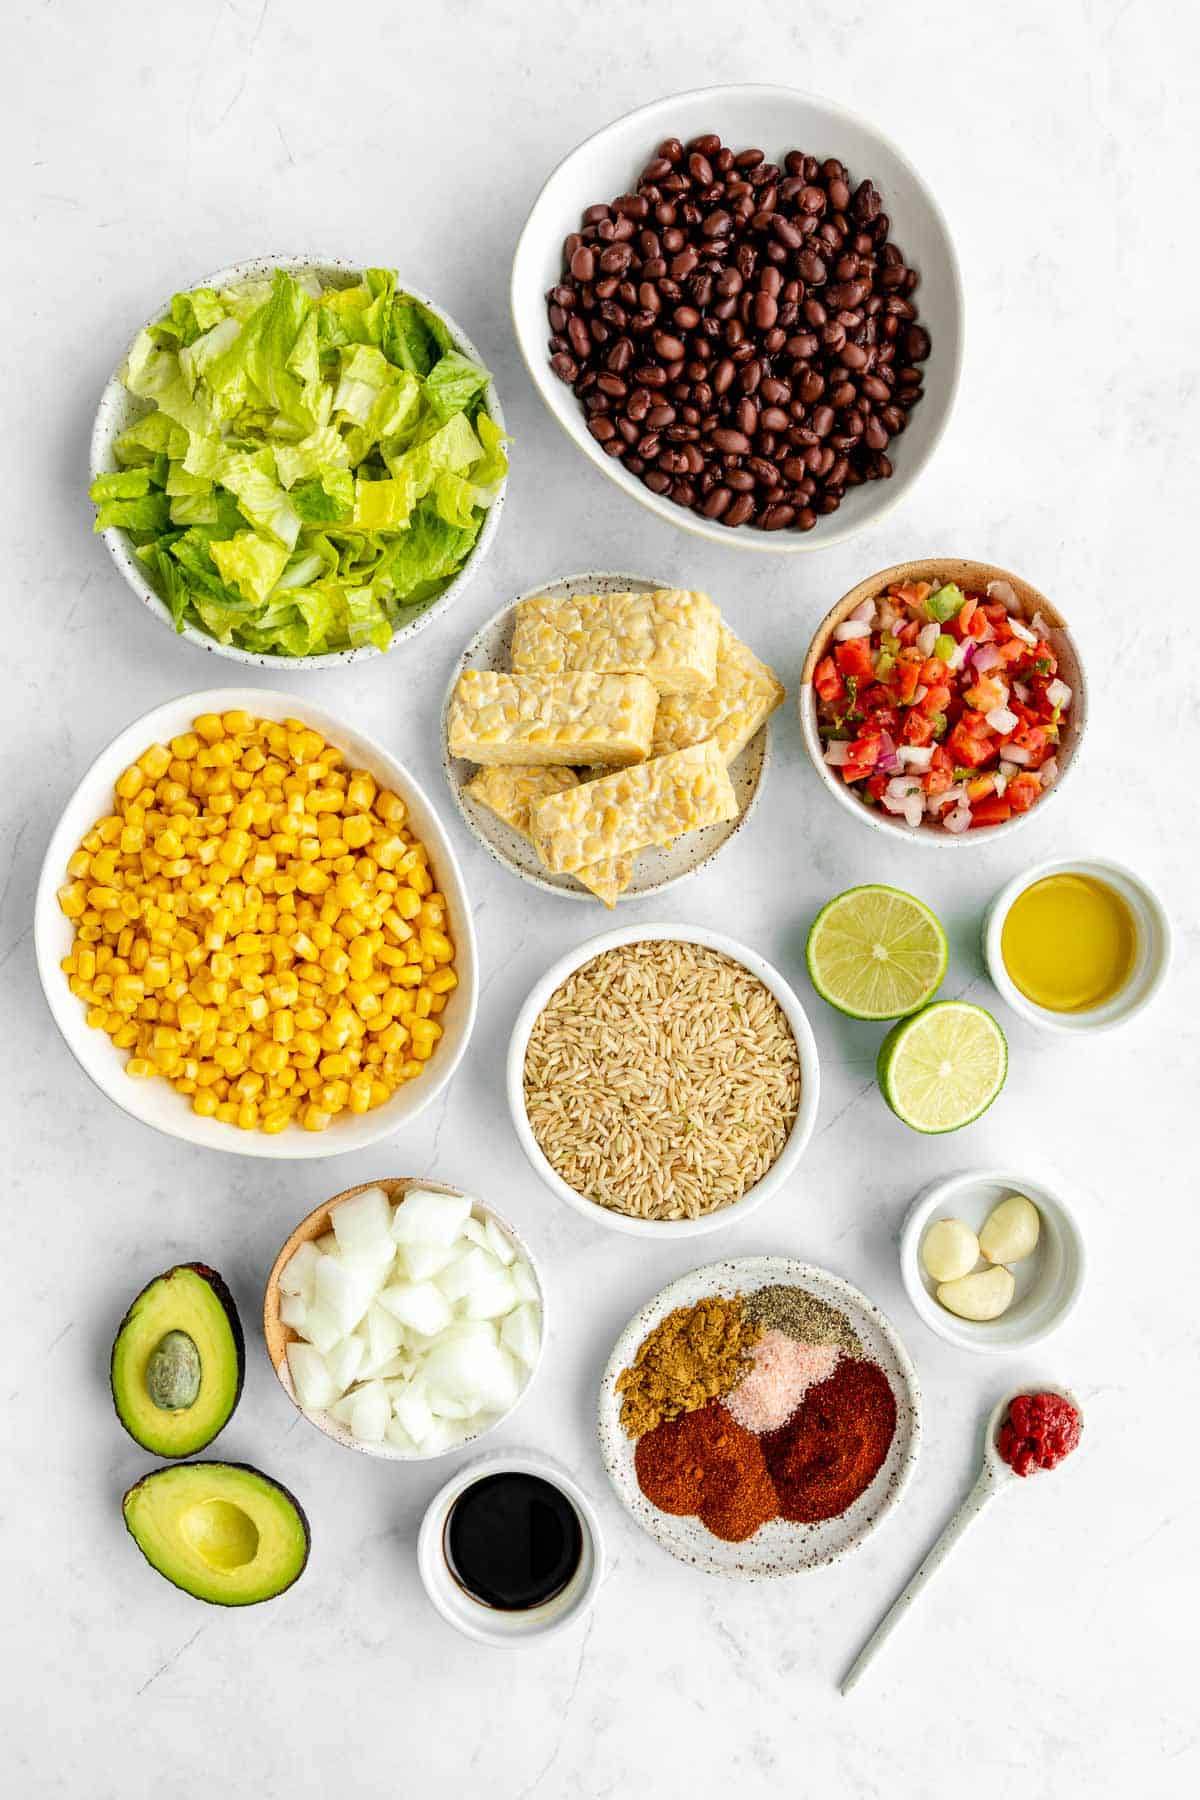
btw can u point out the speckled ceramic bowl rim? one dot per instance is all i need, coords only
(578, 891)
(531, 342)
(1153, 925)
(923, 569)
(664, 1230)
(962, 1333)
(472, 1617)
(131, 568)
(750, 1273)
(92, 1050)
(315, 1224)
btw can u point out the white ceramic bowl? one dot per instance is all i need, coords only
(779, 1547)
(810, 1081)
(1153, 947)
(487, 1623)
(277, 1336)
(1049, 1282)
(154, 1101)
(656, 869)
(971, 575)
(776, 119)
(119, 408)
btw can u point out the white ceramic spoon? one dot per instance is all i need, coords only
(995, 1477)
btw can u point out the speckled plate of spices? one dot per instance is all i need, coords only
(869, 1365)
(656, 869)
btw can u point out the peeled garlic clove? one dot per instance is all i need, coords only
(984, 1295)
(949, 1249)
(1011, 1231)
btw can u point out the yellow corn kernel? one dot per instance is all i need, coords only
(153, 762)
(274, 1120)
(313, 1119)
(204, 1102)
(442, 981)
(390, 807)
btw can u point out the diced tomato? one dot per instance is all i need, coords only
(985, 695)
(908, 634)
(1036, 740)
(918, 729)
(936, 700)
(966, 613)
(877, 786)
(907, 675)
(978, 625)
(912, 593)
(992, 811)
(1012, 650)
(942, 759)
(996, 611)
(864, 754)
(933, 670)
(971, 752)
(828, 681)
(936, 781)
(975, 724)
(980, 787)
(1022, 791)
(1043, 653)
(854, 658)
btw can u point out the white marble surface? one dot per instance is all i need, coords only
(146, 144)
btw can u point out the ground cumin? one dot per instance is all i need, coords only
(697, 1354)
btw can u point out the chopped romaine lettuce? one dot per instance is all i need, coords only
(314, 465)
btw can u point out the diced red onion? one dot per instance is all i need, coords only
(958, 820)
(1058, 694)
(916, 756)
(1049, 772)
(970, 649)
(865, 614)
(1002, 591)
(1038, 624)
(928, 637)
(1001, 720)
(986, 657)
(1022, 692)
(1007, 769)
(889, 765)
(888, 616)
(1022, 631)
(1013, 753)
(887, 744)
(851, 628)
(837, 754)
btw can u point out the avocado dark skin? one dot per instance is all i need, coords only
(189, 1298)
(221, 1532)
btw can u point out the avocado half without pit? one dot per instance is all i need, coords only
(178, 1361)
(223, 1532)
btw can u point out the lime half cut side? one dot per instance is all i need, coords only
(876, 953)
(943, 1067)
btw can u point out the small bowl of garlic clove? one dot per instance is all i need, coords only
(992, 1260)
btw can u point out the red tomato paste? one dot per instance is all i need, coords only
(1039, 1431)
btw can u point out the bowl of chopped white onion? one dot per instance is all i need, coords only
(404, 1318)
(922, 783)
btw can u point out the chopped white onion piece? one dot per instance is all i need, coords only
(521, 1334)
(321, 1329)
(958, 820)
(500, 1244)
(411, 1408)
(421, 1262)
(400, 1439)
(951, 796)
(344, 1361)
(1058, 694)
(985, 658)
(999, 782)
(1038, 625)
(363, 1227)
(1002, 591)
(370, 1413)
(385, 1335)
(927, 637)
(851, 628)
(343, 1292)
(427, 1218)
(474, 1232)
(299, 1271)
(914, 811)
(1049, 772)
(916, 756)
(310, 1377)
(1001, 720)
(293, 1310)
(920, 694)
(420, 1305)
(1013, 753)
(837, 754)
(1021, 691)
(1020, 630)
(864, 612)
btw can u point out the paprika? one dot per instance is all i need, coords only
(834, 1445)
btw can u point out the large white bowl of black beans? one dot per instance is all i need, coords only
(743, 304)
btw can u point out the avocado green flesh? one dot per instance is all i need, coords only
(191, 1300)
(222, 1532)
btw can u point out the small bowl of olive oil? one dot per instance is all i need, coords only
(1077, 946)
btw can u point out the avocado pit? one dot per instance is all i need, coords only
(173, 1372)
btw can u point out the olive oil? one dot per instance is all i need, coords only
(1069, 943)
(513, 1541)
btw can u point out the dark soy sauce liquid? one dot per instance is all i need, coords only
(513, 1541)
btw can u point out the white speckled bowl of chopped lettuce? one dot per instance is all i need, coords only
(298, 463)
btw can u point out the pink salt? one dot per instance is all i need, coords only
(782, 1371)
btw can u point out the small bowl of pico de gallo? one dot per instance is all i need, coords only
(943, 699)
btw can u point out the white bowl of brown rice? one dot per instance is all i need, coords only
(663, 1080)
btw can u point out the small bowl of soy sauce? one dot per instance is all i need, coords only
(510, 1549)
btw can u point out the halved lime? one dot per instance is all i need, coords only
(943, 1067)
(876, 953)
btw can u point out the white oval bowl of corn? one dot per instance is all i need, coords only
(609, 679)
(321, 1001)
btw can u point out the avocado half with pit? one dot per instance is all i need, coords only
(223, 1532)
(178, 1361)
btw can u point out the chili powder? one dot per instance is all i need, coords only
(835, 1444)
(706, 1463)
